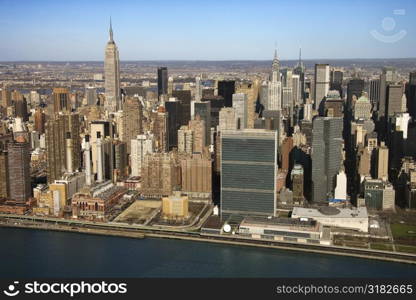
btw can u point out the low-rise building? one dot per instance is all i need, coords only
(350, 218)
(175, 207)
(301, 230)
(95, 203)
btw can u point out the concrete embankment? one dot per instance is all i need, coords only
(93, 231)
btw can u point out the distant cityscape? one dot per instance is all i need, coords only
(315, 153)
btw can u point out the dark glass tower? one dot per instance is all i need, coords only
(226, 89)
(162, 81)
(248, 172)
(326, 156)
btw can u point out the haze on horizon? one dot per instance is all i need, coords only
(76, 30)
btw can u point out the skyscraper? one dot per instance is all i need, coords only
(112, 75)
(226, 89)
(321, 83)
(162, 81)
(374, 91)
(198, 128)
(61, 101)
(140, 146)
(248, 172)
(382, 162)
(326, 156)
(174, 110)
(203, 109)
(395, 100)
(240, 107)
(336, 78)
(355, 88)
(227, 117)
(132, 120)
(19, 170)
(20, 108)
(39, 121)
(275, 86)
(387, 76)
(184, 96)
(300, 70)
(4, 175)
(56, 150)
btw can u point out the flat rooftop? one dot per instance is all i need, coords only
(329, 212)
(293, 224)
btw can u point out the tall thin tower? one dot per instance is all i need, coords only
(275, 85)
(112, 75)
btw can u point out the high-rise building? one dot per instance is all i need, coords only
(355, 87)
(362, 108)
(197, 126)
(162, 81)
(105, 128)
(300, 70)
(132, 120)
(374, 91)
(321, 83)
(20, 108)
(6, 98)
(61, 101)
(40, 120)
(226, 89)
(326, 156)
(56, 150)
(275, 86)
(112, 75)
(411, 94)
(297, 184)
(382, 162)
(198, 89)
(174, 109)
(248, 172)
(395, 100)
(140, 146)
(296, 90)
(4, 175)
(336, 79)
(184, 96)
(197, 176)
(160, 174)
(185, 140)
(19, 170)
(287, 98)
(240, 108)
(387, 76)
(120, 160)
(91, 95)
(227, 119)
(170, 85)
(203, 109)
(161, 131)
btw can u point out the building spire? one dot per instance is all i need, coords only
(300, 56)
(111, 31)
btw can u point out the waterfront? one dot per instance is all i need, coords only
(36, 253)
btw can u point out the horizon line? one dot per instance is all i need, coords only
(208, 60)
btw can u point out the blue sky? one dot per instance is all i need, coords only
(204, 30)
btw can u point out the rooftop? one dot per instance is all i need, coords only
(331, 212)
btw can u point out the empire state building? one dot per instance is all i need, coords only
(112, 75)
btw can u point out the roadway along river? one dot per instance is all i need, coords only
(33, 253)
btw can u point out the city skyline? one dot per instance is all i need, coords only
(179, 30)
